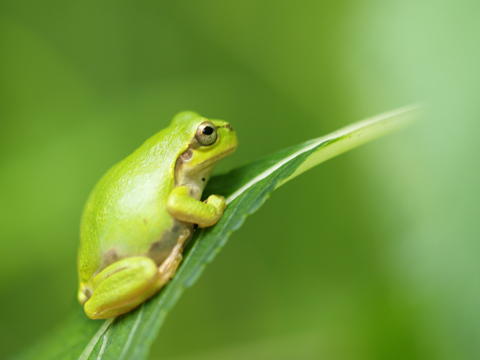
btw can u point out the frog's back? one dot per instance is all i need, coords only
(126, 213)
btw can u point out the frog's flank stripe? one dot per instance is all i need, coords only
(378, 126)
(89, 348)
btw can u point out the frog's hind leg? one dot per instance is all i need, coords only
(123, 286)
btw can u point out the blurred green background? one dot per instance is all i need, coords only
(372, 255)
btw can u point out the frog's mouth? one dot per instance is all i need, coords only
(214, 160)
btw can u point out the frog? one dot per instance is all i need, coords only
(142, 213)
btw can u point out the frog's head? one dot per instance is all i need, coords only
(209, 142)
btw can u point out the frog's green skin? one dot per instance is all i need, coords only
(141, 214)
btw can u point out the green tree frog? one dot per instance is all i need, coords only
(142, 213)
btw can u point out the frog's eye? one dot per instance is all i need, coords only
(206, 134)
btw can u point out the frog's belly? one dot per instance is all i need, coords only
(159, 250)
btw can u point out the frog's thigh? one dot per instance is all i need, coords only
(123, 286)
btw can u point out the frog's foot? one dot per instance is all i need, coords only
(169, 266)
(123, 286)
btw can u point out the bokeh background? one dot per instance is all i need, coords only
(372, 255)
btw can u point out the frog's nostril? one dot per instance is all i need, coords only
(229, 127)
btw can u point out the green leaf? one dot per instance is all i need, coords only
(130, 336)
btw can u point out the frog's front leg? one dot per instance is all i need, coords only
(185, 208)
(127, 283)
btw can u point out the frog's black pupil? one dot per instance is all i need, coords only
(208, 130)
